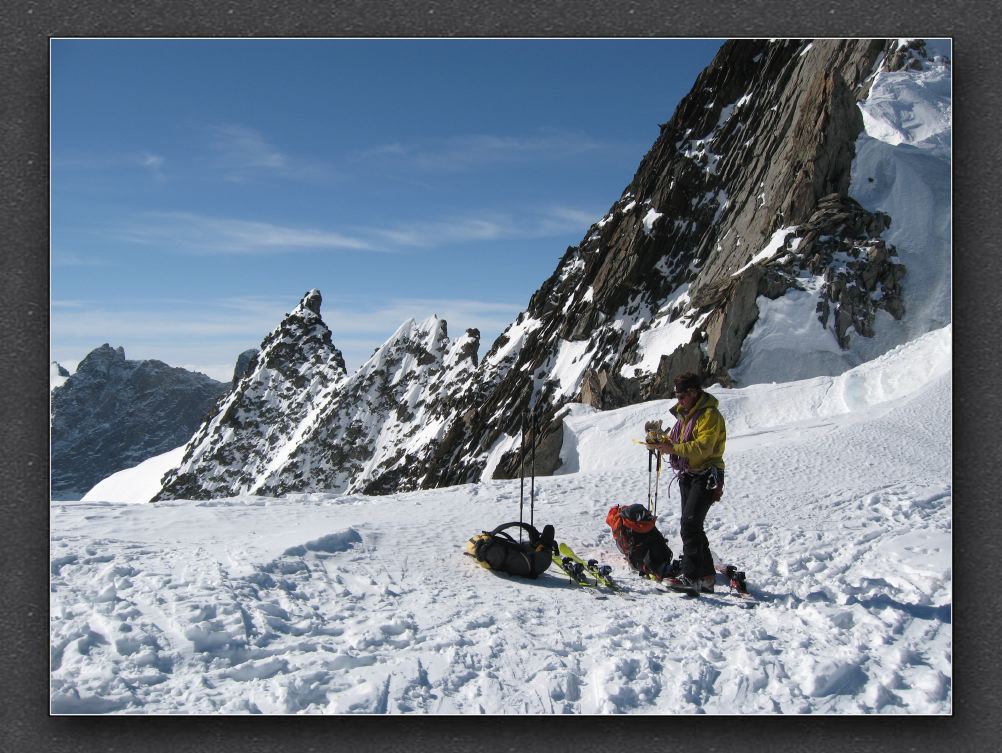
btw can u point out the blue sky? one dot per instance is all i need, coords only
(200, 187)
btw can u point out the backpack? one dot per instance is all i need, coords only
(638, 538)
(498, 550)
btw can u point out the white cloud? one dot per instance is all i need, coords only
(475, 150)
(152, 161)
(541, 223)
(193, 232)
(187, 231)
(70, 259)
(241, 147)
(243, 154)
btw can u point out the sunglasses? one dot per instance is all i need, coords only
(683, 392)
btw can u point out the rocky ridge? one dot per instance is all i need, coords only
(112, 413)
(297, 422)
(372, 435)
(744, 191)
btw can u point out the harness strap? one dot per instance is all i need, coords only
(678, 463)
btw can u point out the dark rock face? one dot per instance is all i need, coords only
(246, 362)
(113, 414)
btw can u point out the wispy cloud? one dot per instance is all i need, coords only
(152, 162)
(190, 232)
(147, 161)
(469, 151)
(538, 223)
(239, 146)
(70, 259)
(242, 153)
(193, 232)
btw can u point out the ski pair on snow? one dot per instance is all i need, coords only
(578, 569)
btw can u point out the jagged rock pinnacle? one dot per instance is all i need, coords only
(312, 301)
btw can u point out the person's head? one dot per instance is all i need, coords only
(688, 388)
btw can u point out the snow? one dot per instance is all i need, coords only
(657, 341)
(137, 484)
(569, 366)
(903, 168)
(649, 219)
(838, 505)
(773, 246)
(516, 334)
(662, 336)
(56, 379)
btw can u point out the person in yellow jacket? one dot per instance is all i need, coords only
(695, 448)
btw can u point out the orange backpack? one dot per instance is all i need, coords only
(638, 538)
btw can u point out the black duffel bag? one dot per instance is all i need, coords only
(498, 550)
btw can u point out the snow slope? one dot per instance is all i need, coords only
(902, 168)
(838, 505)
(137, 484)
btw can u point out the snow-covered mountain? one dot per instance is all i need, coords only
(397, 400)
(792, 220)
(298, 422)
(113, 413)
(838, 506)
(285, 387)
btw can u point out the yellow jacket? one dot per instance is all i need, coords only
(708, 437)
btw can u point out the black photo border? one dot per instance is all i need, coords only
(27, 27)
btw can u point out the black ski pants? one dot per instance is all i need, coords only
(696, 500)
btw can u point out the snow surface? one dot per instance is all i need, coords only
(903, 168)
(838, 505)
(137, 484)
(55, 378)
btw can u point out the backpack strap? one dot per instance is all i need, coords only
(535, 537)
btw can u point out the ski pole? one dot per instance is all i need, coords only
(657, 483)
(532, 484)
(521, 473)
(650, 457)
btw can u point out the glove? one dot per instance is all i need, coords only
(655, 433)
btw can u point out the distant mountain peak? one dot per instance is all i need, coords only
(112, 413)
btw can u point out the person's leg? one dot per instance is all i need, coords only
(696, 502)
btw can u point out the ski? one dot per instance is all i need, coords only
(601, 573)
(573, 570)
(693, 593)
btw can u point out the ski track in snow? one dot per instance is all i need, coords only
(314, 603)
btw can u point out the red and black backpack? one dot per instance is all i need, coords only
(638, 538)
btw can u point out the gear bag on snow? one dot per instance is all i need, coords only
(638, 538)
(497, 550)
